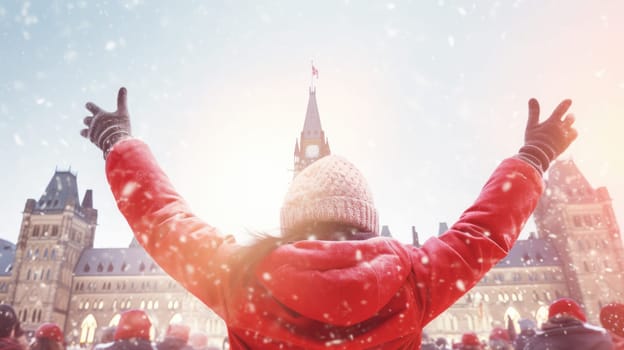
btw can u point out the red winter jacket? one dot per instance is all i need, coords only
(371, 294)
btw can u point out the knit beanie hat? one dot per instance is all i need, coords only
(133, 324)
(49, 331)
(612, 318)
(329, 190)
(470, 339)
(566, 306)
(178, 331)
(8, 320)
(499, 333)
(198, 340)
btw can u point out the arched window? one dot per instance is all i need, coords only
(541, 315)
(25, 315)
(110, 267)
(115, 320)
(87, 268)
(87, 329)
(53, 254)
(150, 305)
(45, 253)
(28, 274)
(512, 313)
(100, 268)
(48, 274)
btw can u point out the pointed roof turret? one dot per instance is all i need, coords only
(312, 126)
(566, 183)
(62, 190)
(87, 200)
(296, 147)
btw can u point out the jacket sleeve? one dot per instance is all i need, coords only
(188, 249)
(446, 267)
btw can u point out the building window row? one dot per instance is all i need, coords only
(97, 304)
(123, 268)
(44, 231)
(590, 220)
(35, 315)
(38, 274)
(45, 254)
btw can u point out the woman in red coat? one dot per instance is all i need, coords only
(329, 281)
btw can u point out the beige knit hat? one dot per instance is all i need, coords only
(329, 190)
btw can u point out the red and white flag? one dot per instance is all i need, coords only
(314, 72)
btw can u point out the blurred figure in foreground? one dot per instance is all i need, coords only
(470, 341)
(48, 336)
(107, 338)
(527, 331)
(566, 330)
(133, 331)
(612, 319)
(10, 330)
(499, 339)
(176, 338)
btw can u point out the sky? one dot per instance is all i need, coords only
(425, 97)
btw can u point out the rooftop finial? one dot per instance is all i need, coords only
(315, 73)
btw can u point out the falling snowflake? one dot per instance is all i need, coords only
(451, 41)
(18, 140)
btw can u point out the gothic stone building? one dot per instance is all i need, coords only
(577, 252)
(53, 273)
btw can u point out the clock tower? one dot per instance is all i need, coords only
(312, 145)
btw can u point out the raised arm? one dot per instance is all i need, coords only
(191, 251)
(448, 266)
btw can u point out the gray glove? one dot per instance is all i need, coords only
(543, 142)
(104, 128)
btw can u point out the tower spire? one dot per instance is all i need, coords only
(312, 144)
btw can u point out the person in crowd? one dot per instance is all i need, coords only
(176, 338)
(566, 329)
(470, 341)
(427, 343)
(441, 343)
(133, 331)
(329, 280)
(48, 336)
(612, 319)
(10, 329)
(499, 339)
(107, 338)
(527, 331)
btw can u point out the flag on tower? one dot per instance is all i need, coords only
(314, 71)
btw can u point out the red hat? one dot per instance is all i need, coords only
(198, 340)
(49, 331)
(499, 333)
(470, 339)
(178, 331)
(612, 318)
(133, 324)
(566, 306)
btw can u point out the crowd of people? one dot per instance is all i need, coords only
(566, 328)
(131, 333)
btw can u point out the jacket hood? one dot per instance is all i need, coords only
(355, 279)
